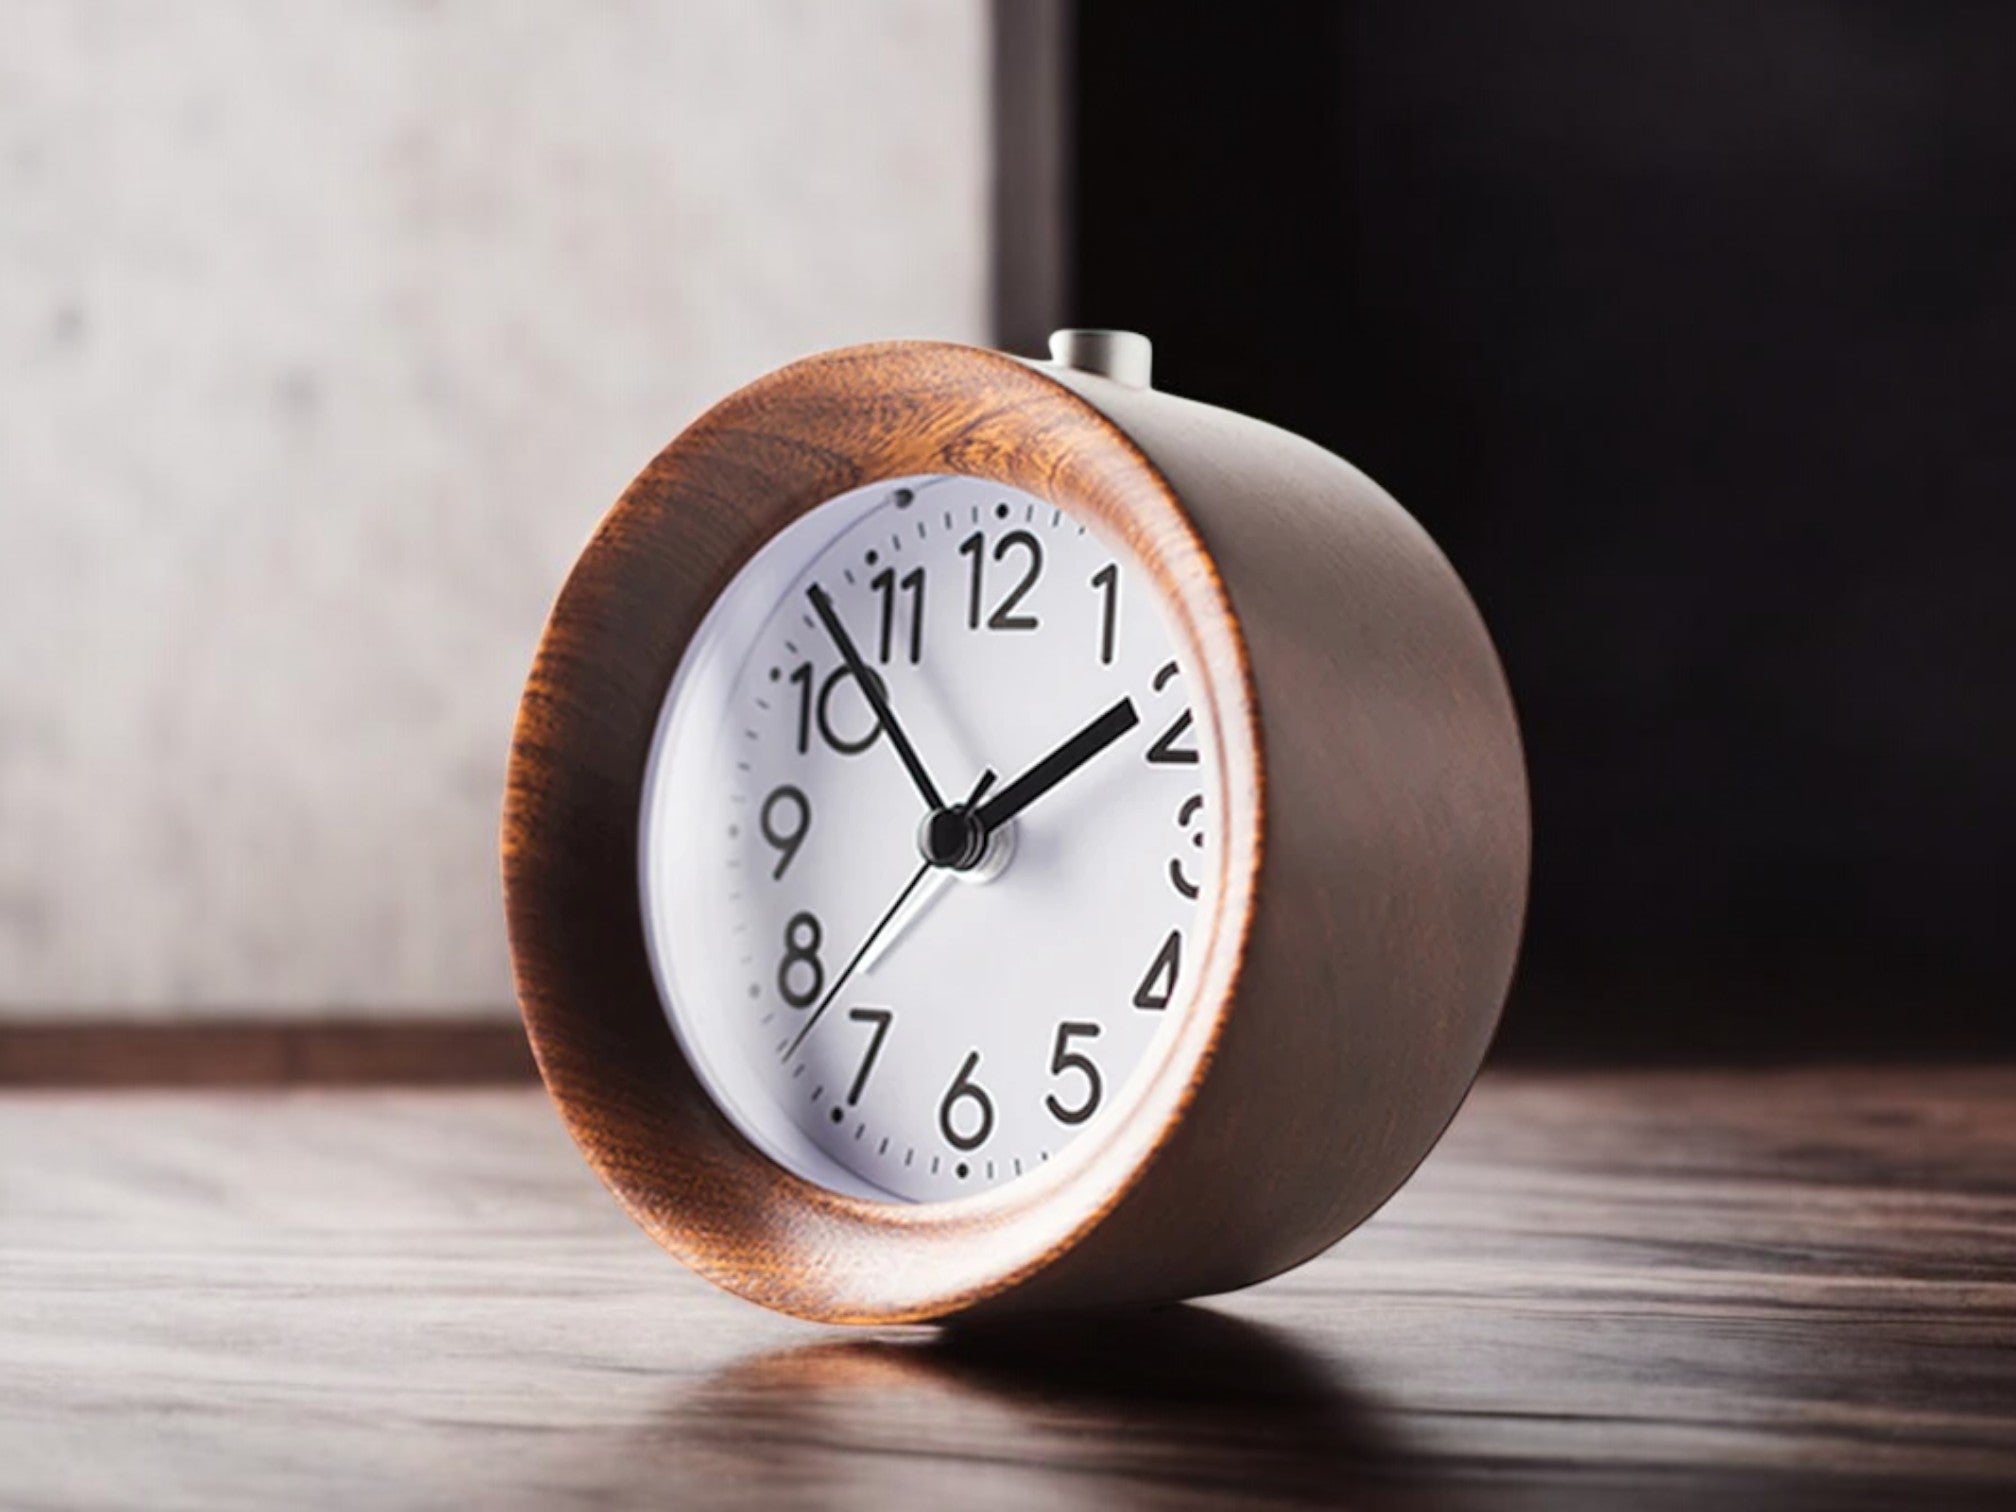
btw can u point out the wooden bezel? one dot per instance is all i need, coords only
(755, 463)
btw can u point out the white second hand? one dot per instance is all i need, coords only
(920, 900)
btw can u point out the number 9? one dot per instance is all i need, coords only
(786, 841)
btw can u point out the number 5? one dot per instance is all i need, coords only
(1063, 1058)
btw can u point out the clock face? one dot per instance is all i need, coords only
(915, 956)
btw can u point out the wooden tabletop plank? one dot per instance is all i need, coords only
(1795, 1288)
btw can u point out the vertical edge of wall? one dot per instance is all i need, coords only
(1031, 192)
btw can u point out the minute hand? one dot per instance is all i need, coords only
(1058, 765)
(871, 689)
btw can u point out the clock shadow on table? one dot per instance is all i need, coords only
(1177, 1406)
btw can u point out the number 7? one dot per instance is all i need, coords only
(881, 1018)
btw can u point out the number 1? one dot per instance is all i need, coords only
(1108, 578)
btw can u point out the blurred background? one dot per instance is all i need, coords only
(328, 331)
(1687, 330)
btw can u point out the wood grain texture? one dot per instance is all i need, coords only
(759, 460)
(1785, 1289)
(1372, 845)
(242, 1053)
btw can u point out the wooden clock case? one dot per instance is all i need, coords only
(1374, 848)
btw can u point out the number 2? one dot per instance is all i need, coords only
(1167, 749)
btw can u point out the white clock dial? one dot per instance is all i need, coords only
(913, 1010)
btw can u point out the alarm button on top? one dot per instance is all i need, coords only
(1124, 356)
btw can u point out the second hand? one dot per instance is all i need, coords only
(979, 790)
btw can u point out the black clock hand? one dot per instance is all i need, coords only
(871, 687)
(847, 971)
(986, 781)
(1058, 765)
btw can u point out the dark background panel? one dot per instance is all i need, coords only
(1688, 331)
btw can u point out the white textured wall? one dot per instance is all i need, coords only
(327, 331)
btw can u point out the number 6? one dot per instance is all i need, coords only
(963, 1090)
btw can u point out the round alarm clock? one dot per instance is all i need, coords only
(985, 835)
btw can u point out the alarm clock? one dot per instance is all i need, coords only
(985, 835)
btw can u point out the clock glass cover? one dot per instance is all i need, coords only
(915, 957)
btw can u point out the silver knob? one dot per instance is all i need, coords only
(1124, 356)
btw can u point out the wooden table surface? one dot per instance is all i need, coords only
(1605, 1289)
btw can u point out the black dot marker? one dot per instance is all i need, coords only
(961, 1170)
(837, 1115)
(1000, 511)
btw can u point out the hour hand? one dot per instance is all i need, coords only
(1058, 765)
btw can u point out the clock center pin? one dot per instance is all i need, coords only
(954, 838)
